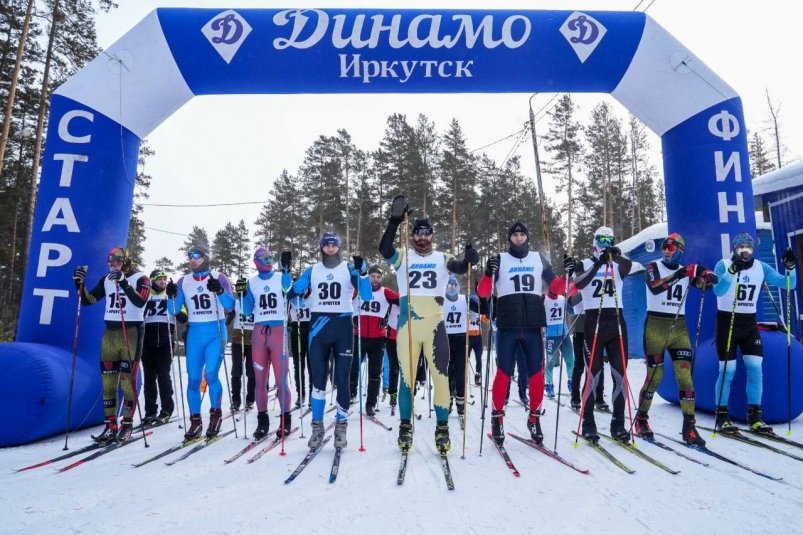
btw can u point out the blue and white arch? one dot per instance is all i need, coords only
(99, 116)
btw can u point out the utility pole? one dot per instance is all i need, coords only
(538, 179)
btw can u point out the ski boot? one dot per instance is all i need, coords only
(370, 410)
(602, 406)
(497, 426)
(589, 430)
(461, 405)
(575, 404)
(126, 428)
(525, 400)
(285, 425)
(442, 442)
(405, 435)
(109, 433)
(534, 426)
(723, 423)
(149, 419)
(393, 397)
(341, 437)
(249, 405)
(641, 425)
(236, 404)
(757, 425)
(477, 379)
(316, 437)
(263, 425)
(570, 385)
(618, 430)
(550, 390)
(164, 417)
(215, 419)
(196, 427)
(689, 432)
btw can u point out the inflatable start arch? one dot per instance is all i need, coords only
(99, 117)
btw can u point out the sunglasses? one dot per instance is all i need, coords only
(423, 232)
(671, 247)
(265, 260)
(195, 255)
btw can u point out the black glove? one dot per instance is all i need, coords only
(789, 259)
(604, 257)
(240, 286)
(569, 265)
(214, 286)
(706, 279)
(614, 253)
(492, 266)
(398, 208)
(79, 276)
(286, 260)
(471, 255)
(115, 275)
(123, 283)
(171, 289)
(359, 263)
(737, 264)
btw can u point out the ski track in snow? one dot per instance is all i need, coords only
(203, 495)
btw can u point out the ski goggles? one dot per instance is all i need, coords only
(423, 231)
(264, 260)
(115, 259)
(670, 247)
(604, 241)
(195, 255)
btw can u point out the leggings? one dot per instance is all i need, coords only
(205, 342)
(530, 343)
(267, 350)
(330, 333)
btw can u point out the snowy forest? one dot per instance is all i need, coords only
(599, 160)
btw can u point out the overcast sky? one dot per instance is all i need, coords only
(230, 148)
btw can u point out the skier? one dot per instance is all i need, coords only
(599, 280)
(207, 295)
(242, 328)
(264, 298)
(665, 330)
(332, 282)
(124, 291)
(738, 288)
(157, 361)
(557, 343)
(581, 357)
(517, 275)
(299, 346)
(455, 320)
(372, 333)
(421, 319)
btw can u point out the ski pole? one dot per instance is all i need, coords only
(561, 357)
(788, 357)
(359, 362)
(283, 392)
(484, 395)
(223, 358)
(697, 331)
(74, 357)
(243, 365)
(465, 363)
(132, 366)
(590, 364)
(628, 395)
(180, 373)
(299, 365)
(730, 338)
(406, 241)
(170, 327)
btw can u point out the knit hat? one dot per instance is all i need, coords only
(518, 226)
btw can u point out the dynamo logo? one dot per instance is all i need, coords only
(226, 32)
(583, 33)
(200, 289)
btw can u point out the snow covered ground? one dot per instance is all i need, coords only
(203, 495)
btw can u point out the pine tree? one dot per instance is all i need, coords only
(400, 167)
(164, 264)
(760, 159)
(136, 226)
(456, 197)
(564, 145)
(227, 252)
